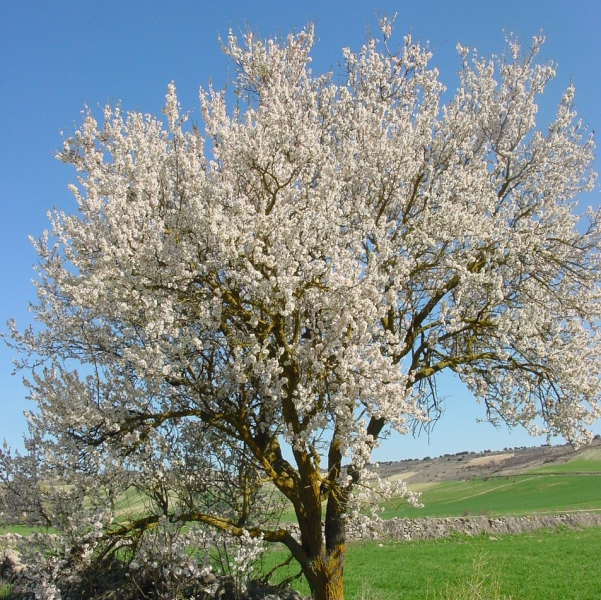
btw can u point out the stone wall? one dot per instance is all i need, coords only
(429, 527)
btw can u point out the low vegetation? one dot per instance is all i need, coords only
(546, 565)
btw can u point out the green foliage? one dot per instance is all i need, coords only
(21, 530)
(5, 589)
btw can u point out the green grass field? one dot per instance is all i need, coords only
(588, 461)
(573, 485)
(569, 486)
(545, 565)
(504, 496)
(557, 564)
(525, 494)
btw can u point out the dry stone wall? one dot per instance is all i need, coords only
(429, 527)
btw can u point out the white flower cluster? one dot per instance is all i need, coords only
(368, 501)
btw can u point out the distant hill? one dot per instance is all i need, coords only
(510, 461)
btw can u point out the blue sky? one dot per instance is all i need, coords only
(56, 56)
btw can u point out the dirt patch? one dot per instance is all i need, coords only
(487, 461)
(590, 455)
(404, 476)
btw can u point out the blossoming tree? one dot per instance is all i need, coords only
(301, 283)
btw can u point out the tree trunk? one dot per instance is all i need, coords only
(324, 572)
(325, 576)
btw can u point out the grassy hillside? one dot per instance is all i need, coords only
(545, 565)
(588, 461)
(504, 496)
(561, 486)
(532, 492)
(571, 486)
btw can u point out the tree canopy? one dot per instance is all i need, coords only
(296, 277)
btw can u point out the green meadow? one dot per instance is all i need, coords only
(588, 461)
(571, 486)
(557, 564)
(531, 492)
(544, 565)
(525, 494)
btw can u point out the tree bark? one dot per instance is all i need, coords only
(324, 575)
(325, 570)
